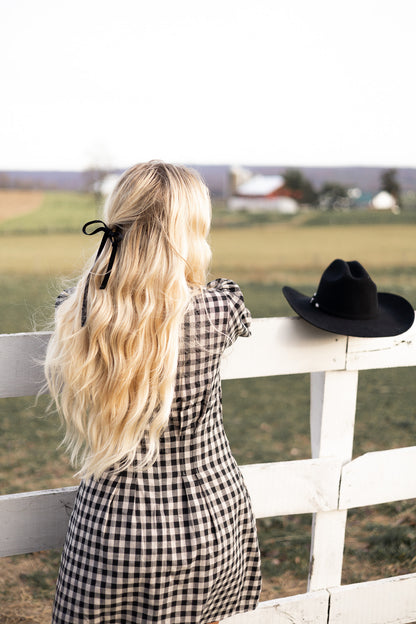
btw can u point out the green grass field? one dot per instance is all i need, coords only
(266, 419)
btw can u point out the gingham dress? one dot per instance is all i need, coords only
(177, 543)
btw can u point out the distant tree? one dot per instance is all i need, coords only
(300, 186)
(333, 196)
(389, 183)
(92, 177)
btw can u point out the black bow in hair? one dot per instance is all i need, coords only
(115, 236)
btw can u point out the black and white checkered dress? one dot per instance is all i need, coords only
(177, 543)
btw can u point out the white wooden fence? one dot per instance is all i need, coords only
(327, 485)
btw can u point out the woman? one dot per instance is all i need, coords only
(162, 528)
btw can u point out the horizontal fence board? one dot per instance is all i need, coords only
(38, 520)
(379, 477)
(369, 353)
(386, 601)
(281, 346)
(34, 521)
(311, 608)
(278, 346)
(20, 371)
(293, 487)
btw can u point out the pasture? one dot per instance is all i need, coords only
(266, 419)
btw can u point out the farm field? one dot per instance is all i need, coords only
(14, 204)
(266, 419)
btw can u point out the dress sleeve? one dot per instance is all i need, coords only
(239, 320)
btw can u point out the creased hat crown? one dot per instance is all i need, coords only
(347, 290)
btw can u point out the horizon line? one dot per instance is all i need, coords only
(224, 164)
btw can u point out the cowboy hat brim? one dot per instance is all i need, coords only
(395, 316)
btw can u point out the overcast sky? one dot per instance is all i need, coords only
(284, 82)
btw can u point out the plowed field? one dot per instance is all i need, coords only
(15, 202)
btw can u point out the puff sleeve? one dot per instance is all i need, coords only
(239, 317)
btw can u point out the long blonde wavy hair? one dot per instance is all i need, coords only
(113, 379)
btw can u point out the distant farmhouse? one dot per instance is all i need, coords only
(384, 201)
(260, 193)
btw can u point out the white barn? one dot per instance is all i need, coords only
(263, 193)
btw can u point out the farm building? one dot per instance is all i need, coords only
(263, 193)
(384, 201)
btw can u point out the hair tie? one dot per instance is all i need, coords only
(115, 236)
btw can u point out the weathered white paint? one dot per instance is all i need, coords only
(34, 520)
(332, 413)
(311, 608)
(368, 353)
(379, 477)
(294, 487)
(332, 416)
(327, 549)
(21, 374)
(386, 601)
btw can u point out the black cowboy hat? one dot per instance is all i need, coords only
(347, 303)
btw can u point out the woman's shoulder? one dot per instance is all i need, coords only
(222, 283)
(224, 301)
(226, 290)
(225, 287)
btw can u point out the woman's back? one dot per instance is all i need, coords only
(162, 528)
(177, 540)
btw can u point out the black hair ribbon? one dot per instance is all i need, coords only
(114, 236)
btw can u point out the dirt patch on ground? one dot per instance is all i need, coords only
(14, 203)
(26, 592)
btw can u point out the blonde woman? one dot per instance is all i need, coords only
(162, 528)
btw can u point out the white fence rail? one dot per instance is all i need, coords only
(326, 485)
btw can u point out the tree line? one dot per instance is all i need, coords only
(333, 195)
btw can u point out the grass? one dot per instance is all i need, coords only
(302, 253)
(52, 256)
(29, 455)
(266, 419)
(281, 253)
(362, 217)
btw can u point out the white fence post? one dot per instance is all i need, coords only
(332, 416)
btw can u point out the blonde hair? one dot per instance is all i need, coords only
(113, 379)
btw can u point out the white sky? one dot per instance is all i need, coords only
(284, 82)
